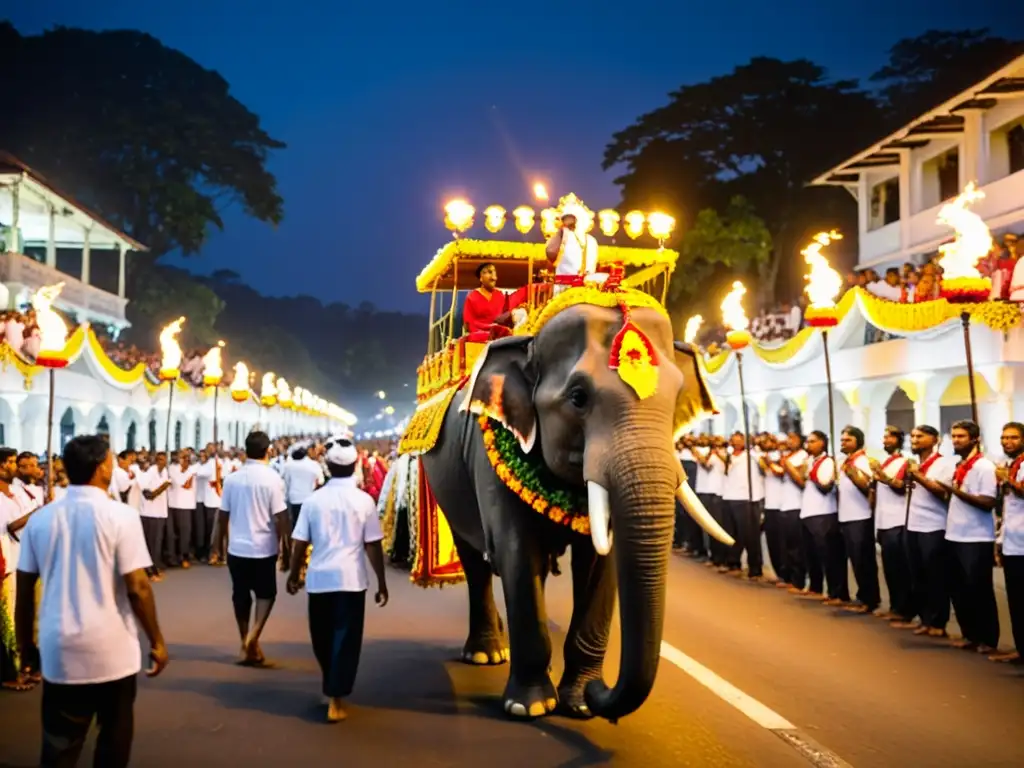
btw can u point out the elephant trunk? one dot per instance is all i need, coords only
(641, 494)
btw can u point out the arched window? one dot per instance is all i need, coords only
(790, 418)
(899, 411)
(131, 437)
(199, 435)
(152, 433)
(67, 428)
(103, 427)
(178, 429)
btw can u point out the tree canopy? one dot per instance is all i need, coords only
(140, 132)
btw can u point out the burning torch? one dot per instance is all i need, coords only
(268, 393)
(213, 372)
(823, 286)
(170, 366)
(53, 336)
(738, 337)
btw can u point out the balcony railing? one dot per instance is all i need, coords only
(94, 303)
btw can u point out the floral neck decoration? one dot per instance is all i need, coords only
(528, 478)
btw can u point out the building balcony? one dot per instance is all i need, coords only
(23, 276)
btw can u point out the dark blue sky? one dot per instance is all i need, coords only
(389, 107)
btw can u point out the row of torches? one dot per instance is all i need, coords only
(275, 390)
(961, 280)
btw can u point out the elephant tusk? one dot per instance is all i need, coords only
(600, 517)
(700, 513)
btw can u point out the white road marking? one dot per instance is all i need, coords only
(725, 690)
(765, 717)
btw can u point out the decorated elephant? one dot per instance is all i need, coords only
(563, 438)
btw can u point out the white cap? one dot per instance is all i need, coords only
(341, 451)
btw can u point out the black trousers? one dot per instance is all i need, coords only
(928, 554)
(336, 629)
(746, 529)
(294, 510)
(794, 561)
(155, 530)
(200, 544)
(715, 507)
(1013, 570)
(773, 538)
(68, 712)
(859, 538)
(972, 592)
(827, 555)
(213, 532)
(896, 567)
(179, 534)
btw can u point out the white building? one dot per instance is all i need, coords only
(900, 182)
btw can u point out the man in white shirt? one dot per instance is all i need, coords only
(89, 552)
(253, 501)
(302, 476)
(13, 518)
(155, 483)
(573, 253)
(890, 522)
(25, 488)
(341, 523)
(856, 520)
(1011, 537)
(826, 556)
(181, 505)
(970, 531)
(710, 476)
(688, 535)
(211, 475)
(792, 458)
(743, 511)
(772, 505)
(929, 477)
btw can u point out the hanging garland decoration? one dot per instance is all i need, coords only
(531, 481)
(633, 357)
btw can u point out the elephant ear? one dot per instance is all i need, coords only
(694, 398)
(501, 387)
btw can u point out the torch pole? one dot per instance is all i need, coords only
(965, 322)
(49, 438)
(216, 389)
(752, 516)
(170, 402)
(831, 403)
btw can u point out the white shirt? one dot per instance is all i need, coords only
(206, 474)
(734, 484)
(150, 480)
(178, 496)
(1012, 533)
(572, 259)
(793, 494)
(703, 475)
(338, 520)
(883, 290)
(10, 511)
(30, 497)
(814, 503)
(967, 523)
(252, 496)
(853, 504)
(301, 477)
(772, 485)
(890, 506)
(81, 547)
(927, 511)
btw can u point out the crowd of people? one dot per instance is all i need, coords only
(942, 524)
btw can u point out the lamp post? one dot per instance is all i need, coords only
(823, 286)
(170, 367)
(962, 283)
(53, 336)
(738, 338)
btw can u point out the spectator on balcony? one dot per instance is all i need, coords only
(889, 288)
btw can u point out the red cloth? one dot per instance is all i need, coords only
(480, 312)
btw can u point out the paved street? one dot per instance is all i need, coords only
(867, 695)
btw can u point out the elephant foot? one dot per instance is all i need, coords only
(485, 652)
(571, 701)
(529, 701)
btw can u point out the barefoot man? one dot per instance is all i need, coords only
(253, 502)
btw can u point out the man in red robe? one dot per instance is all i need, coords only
(485, 304)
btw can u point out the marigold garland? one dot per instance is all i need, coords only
(570, 297)
(531, 481)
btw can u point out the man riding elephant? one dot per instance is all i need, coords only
(563, 437)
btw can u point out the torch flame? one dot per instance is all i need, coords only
(53, 332)
(733, 315)
(284, 393)
(170, 351)
(240, 382)
(823, 282)
(268, 391)
(692, 328)
(540, 192)
(213, 371)
(973, 240)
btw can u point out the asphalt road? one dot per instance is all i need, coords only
(832, 689)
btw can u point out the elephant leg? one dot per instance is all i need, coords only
(486, 643)
(523, 567)
(593, 597)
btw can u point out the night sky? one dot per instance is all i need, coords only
(389, 108)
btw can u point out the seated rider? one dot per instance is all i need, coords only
(486, 304)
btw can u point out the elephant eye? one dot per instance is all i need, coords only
(579, 396)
